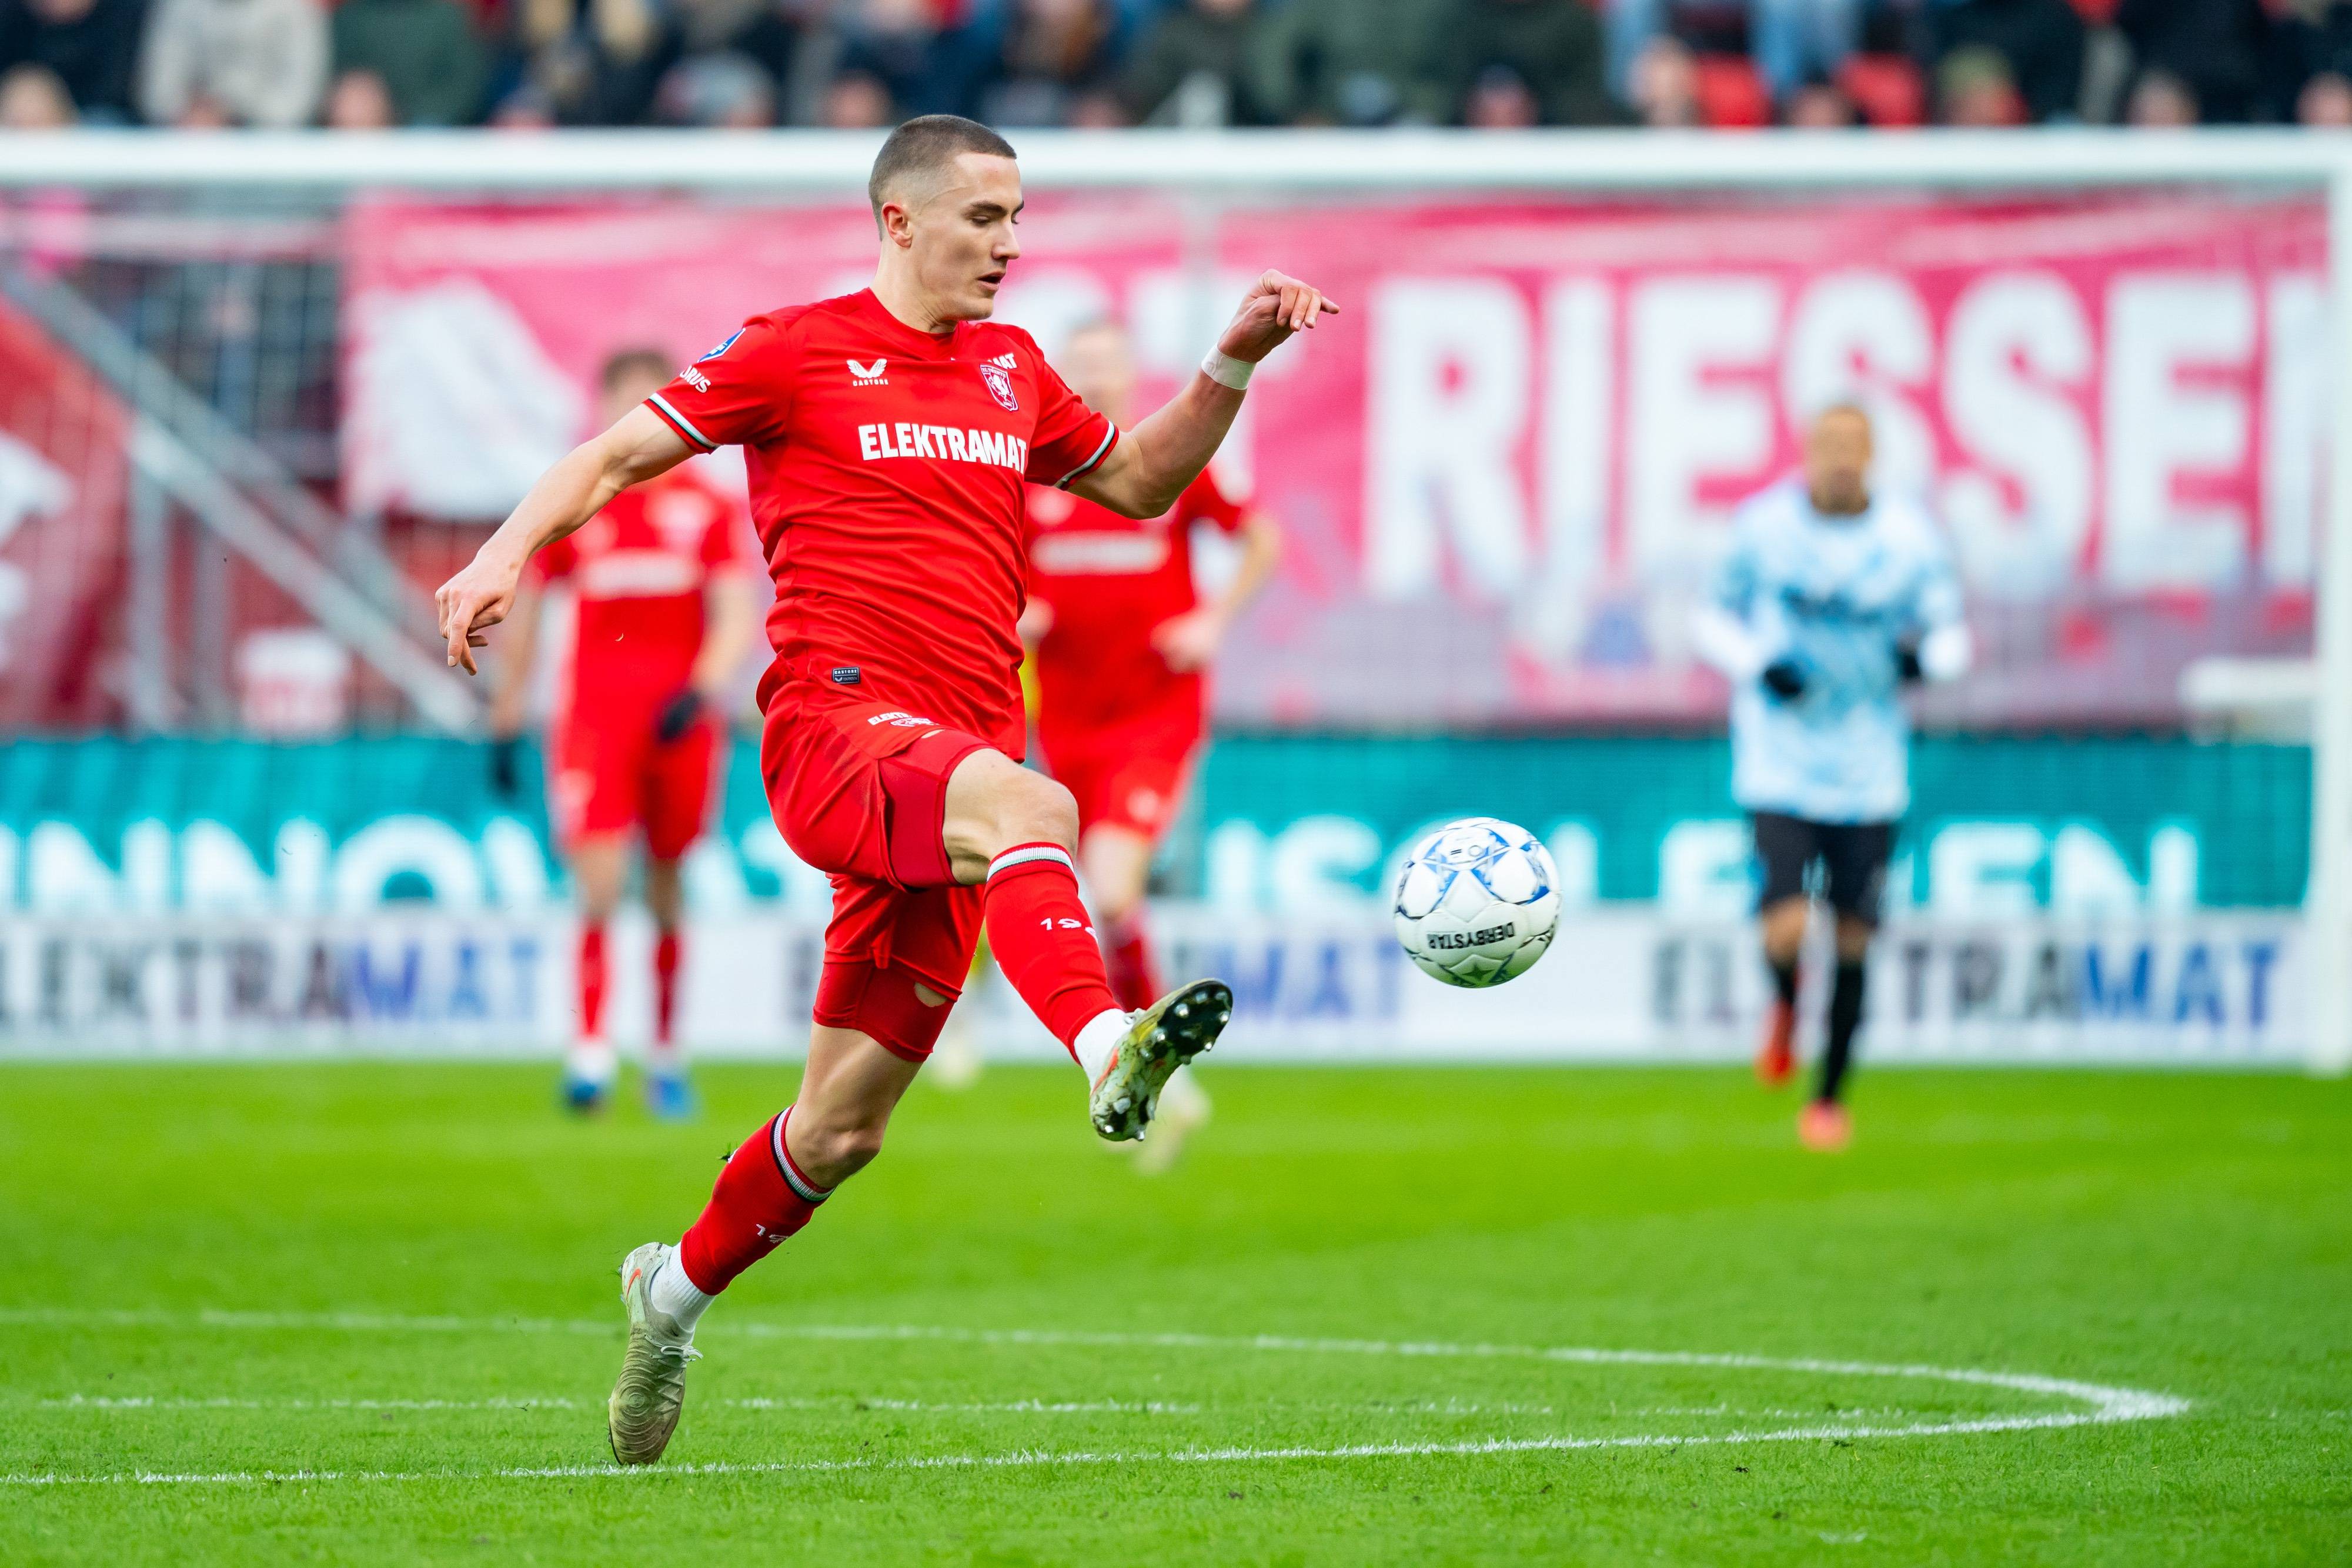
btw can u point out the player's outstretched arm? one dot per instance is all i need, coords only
(1940, 649)
(639, 445)
(1146, 472)
(1720, 632)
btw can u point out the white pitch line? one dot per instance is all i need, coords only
(2106, 1403)
(2135, 1404)
(848, 1405)
(1008, 1406)
(355, 1323)
(853, 1404)
(1033, 1459)
(167, 1402)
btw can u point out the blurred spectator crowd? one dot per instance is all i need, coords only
(1499, 64)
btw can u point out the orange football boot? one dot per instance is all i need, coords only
(1825, 1128)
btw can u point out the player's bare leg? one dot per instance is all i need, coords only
(1784, 946)
(771, 1188)
(1015, 832)
(1116, 861)
(668, 1093)
(599, 870)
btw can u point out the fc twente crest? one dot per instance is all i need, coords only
(999, 377)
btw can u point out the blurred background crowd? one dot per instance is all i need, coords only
(849, 64)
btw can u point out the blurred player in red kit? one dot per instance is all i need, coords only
(1123, 645)
(889, 435)
(666, 609)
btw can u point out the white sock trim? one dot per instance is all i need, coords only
(672, 1292)
(1029, 854)
(1097, 1042)
(807, 1190)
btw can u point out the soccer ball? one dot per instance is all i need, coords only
(1477, 903)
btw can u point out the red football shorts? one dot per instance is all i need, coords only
(1133, 777)
(613, 775)
(859, 792)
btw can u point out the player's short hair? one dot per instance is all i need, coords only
(924, 147)
(624, 365)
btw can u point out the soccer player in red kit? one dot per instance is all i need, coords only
(1123, 642)
(663, 614)
(888, 436)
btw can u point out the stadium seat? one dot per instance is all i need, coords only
(1887, 89)
(1731, 96)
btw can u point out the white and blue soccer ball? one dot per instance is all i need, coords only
(1477, 903)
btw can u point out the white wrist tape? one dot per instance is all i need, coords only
(1227, 371)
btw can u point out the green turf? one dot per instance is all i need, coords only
(2189, 1236)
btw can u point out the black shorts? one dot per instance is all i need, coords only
(1852, 857)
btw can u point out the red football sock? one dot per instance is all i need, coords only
(761, 1198)
(592, 980)
(1038, 929)
(665, 987)
(1126, 956)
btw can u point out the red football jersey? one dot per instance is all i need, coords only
(887, 468)
(1112, 581)
(639, 568)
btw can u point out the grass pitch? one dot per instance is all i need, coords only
(366, 1313)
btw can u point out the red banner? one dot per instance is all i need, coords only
(63, 466)
(1505, 467)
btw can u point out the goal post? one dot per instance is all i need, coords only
(1207, 169)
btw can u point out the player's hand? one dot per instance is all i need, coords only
(1785, 679)
(1036, 620)
(506, 767)
(1908, 671)
(1274, 309)
(1188, 641)
(678, 715)
(470, 603)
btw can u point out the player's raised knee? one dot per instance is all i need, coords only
(833, 1149)
(1036, 810)
(994, 803)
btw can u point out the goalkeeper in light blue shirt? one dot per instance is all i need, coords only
(1830, 601)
